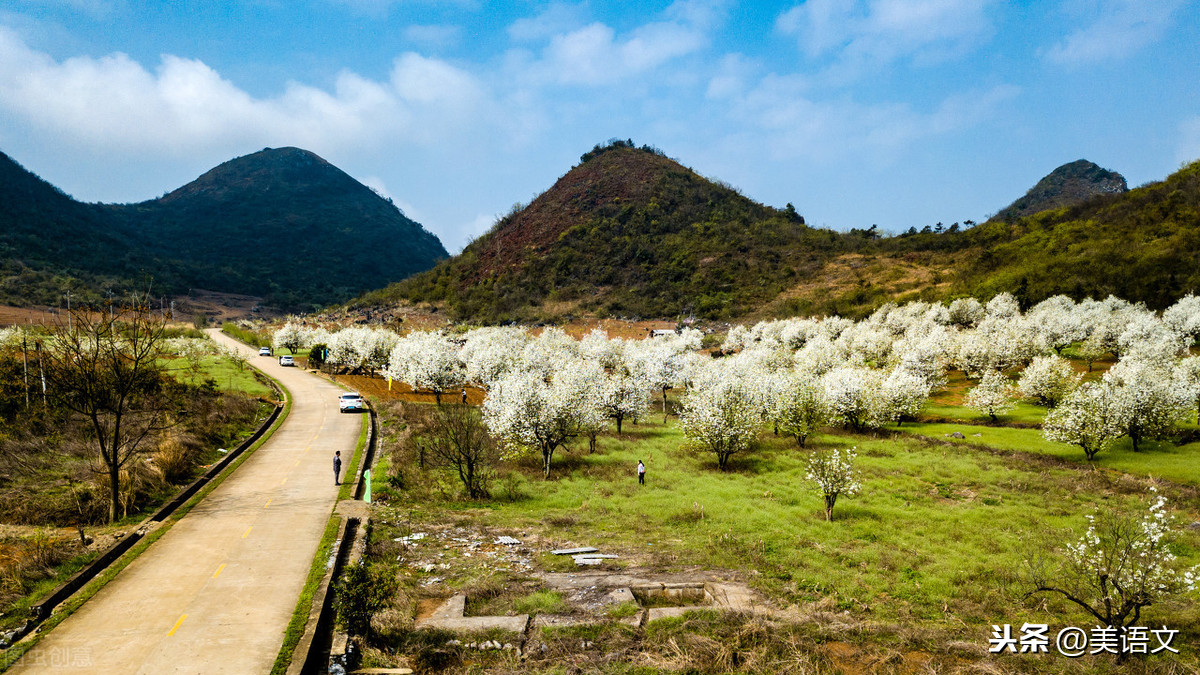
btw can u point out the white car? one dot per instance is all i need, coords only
(287, 360)
(351, 402)
(264, 351)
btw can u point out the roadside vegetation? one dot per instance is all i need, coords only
(71, 479)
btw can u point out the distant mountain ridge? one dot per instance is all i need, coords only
(279, 223)
(1067, 185)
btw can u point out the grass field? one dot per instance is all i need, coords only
(225, 373)
(935, 542)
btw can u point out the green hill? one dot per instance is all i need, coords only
(283, 224)
(626, 232)
(1067, 185)
(1141, 245)
(629, 232)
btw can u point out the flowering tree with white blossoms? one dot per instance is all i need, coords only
(624, 396)
(1149, 402)
(426, 361)
(528, 414)
(902, 396)
(660, 363)
(798, 407)
(1047, 380)
(854, 396)
(487, 353)
(1086, 418)
(1187, 378)
(289, 337)
(834, 474)
(1183, 317)
(992, 396)
(965, 312)
(721, 417)
(1121, 564)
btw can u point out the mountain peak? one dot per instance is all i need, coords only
(1067, 185)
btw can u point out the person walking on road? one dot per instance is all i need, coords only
(464, 398)
(641, 473)
(337, 467)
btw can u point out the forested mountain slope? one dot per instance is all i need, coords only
(280, 223)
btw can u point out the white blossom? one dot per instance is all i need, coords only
(426, 361)
(993, 395)
(834, 474)
(1047, 380)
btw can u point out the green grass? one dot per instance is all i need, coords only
(252, 338)
(541, 602)
(221, 370)
(1180, 464)
(299, 620)
(1023, 413)
(937, 535)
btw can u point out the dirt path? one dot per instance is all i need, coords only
(215, 594)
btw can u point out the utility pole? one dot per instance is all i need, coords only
(25, 361)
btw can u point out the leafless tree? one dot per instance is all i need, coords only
(454, 437)
(104, 367)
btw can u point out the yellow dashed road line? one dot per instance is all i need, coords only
(218, 572)
(176, 626)
(247, 532)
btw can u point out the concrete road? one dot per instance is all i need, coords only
(216, 592)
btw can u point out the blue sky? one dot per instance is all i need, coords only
(891, 112)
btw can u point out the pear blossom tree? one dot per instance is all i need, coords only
(1183, 317)
(1047, 380)
(854, 396)
(1122, 564)
(622, 396)
(529, 413)
(660, 364)
(1057, 322)
(901, 397)
(993, 395)
(965, 312)
(290, 337)
(426, 361)
(721, 417)
(1087, 418)
(1149, 402)
(1091, 350)
(488, 353)
(798, 407)
(834, 474)
(1187, 378)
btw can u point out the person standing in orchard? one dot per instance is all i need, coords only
(337, 467)
(641, 471)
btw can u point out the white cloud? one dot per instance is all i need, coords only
(859, 35)
(790, 125)
(731, 77)
(437, 36)
(556, 19)
(184, 105)
(1120, 28)
(595, 55)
